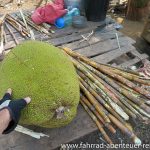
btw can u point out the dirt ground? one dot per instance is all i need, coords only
(6, 7)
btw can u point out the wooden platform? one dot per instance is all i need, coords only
(101, 47)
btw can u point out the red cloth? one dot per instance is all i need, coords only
(49, 13)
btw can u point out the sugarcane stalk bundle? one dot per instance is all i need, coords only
(43, 28)
(111, 95)
(20, 27)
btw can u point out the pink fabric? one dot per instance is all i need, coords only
(49, 13)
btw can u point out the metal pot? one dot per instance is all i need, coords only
(75, 4)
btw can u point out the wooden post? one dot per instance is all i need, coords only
(146, 31)
(136, 11)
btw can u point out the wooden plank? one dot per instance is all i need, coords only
(12, 29)
(65, 31)
(107, 57)
(99, 36)
(138, 57)
(9, 45)
(103, 47)
(70, 30)
(133, 61)
(38, 35)
(18, 36)
(66, 39)
(137, 54)
(72, 37)
(77, 128)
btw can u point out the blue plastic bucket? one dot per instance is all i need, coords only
(67, 19)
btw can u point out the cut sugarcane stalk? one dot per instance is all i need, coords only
(97, 123)
(29, 132)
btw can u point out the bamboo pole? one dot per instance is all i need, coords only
(132, 77)
(123, 70)
(141, 111)
(98, 107)
(37, 27)
(99, 125)
(95, 81)
(117, 108)
(125, 130)
(134, 108)
(100, 75)
(94, 64)
(2, 41)
(131, 111)
(2, 19)
(106, 124)
(120, 101)
(128, 83)
(99, 99)
(121, 90)
(136, 94)
(106, 70)
(5, 37)
(21, 29)
(15, 39)
(43, 26)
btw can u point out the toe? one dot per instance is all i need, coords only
(27, 99)
(9, 91)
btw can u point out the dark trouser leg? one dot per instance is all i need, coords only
(7, 96)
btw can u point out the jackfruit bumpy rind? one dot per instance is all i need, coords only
(46, 74)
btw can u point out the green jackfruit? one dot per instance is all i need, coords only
(46, 74)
